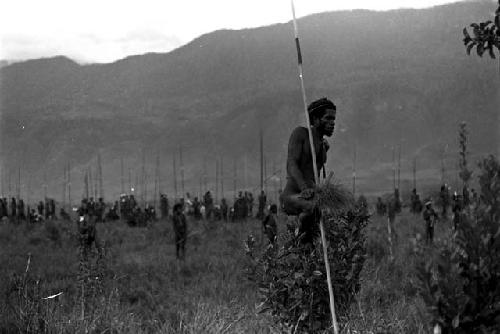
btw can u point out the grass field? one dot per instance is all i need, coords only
(145, 289)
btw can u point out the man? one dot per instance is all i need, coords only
(224, 209)
(208, 202)
(430, 216)
(299, 189)
(180, 230)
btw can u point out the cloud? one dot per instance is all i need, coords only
(86, 47)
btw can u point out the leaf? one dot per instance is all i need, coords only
(469, 48)
(298, 275)
(456, 321)
(492, 53)
(480, 50)
(466, 33)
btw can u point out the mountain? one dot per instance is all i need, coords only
(400, 77)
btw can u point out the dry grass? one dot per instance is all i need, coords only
(148, 291)
(332, 198)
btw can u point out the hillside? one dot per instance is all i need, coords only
(398, 77)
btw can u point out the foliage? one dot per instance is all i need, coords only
(292, 278)
(460, 279)
(465, 173)
(486, 36)
(489, 181)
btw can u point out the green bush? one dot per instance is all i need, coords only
(292, 278)
(460, 278)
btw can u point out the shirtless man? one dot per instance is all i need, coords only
(299, 190)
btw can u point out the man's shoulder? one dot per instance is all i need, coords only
(299, 132)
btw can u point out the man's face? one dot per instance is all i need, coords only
(327, 122)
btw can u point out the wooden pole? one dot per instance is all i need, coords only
(89, 181)
(354, 171)
(245, 171)
(129, 180)
(143, 179)
(182, 172)
(96, 182)
(261, 136)
(234, 177)
(44, 185)
(393, 168)
(101, 177)
(18, 184)
(122, 181)
(265, 174)
(205, 175)
(157, 184)
(175, 178)
(10, 188)
(399, 169)
(316, 176)
(64, 186)
(222, 177)
(275, 184)
(86, 184)
(442, 168)
(69, 186)
(216, 179)
(415, 172)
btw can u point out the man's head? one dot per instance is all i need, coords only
(177, 208)
(322, 114)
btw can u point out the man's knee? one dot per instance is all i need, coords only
(293, 204)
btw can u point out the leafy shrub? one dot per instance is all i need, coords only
(292, 278)
(460, 279)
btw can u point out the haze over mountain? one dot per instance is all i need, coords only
(397, 77)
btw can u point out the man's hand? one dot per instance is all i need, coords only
(307, 193)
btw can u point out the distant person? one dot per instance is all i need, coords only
(180, 231)
(444, 196)
(163, 206)
(197, 209)
(208, 202)
(224, 209)
(381, 207)
(430, 217)
(262, 204)
(270, 224)
(13, 208)
(457, 208)
(40, 208)
(398, 205)
(362, 205)
(392, 205)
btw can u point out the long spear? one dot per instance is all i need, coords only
(316, 176)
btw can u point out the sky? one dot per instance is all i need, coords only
(90, 31)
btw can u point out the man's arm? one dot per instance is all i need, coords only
(295, 145)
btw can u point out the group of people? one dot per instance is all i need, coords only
(15, 210)
(457, 202)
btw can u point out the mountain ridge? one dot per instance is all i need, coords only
(398, 77)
